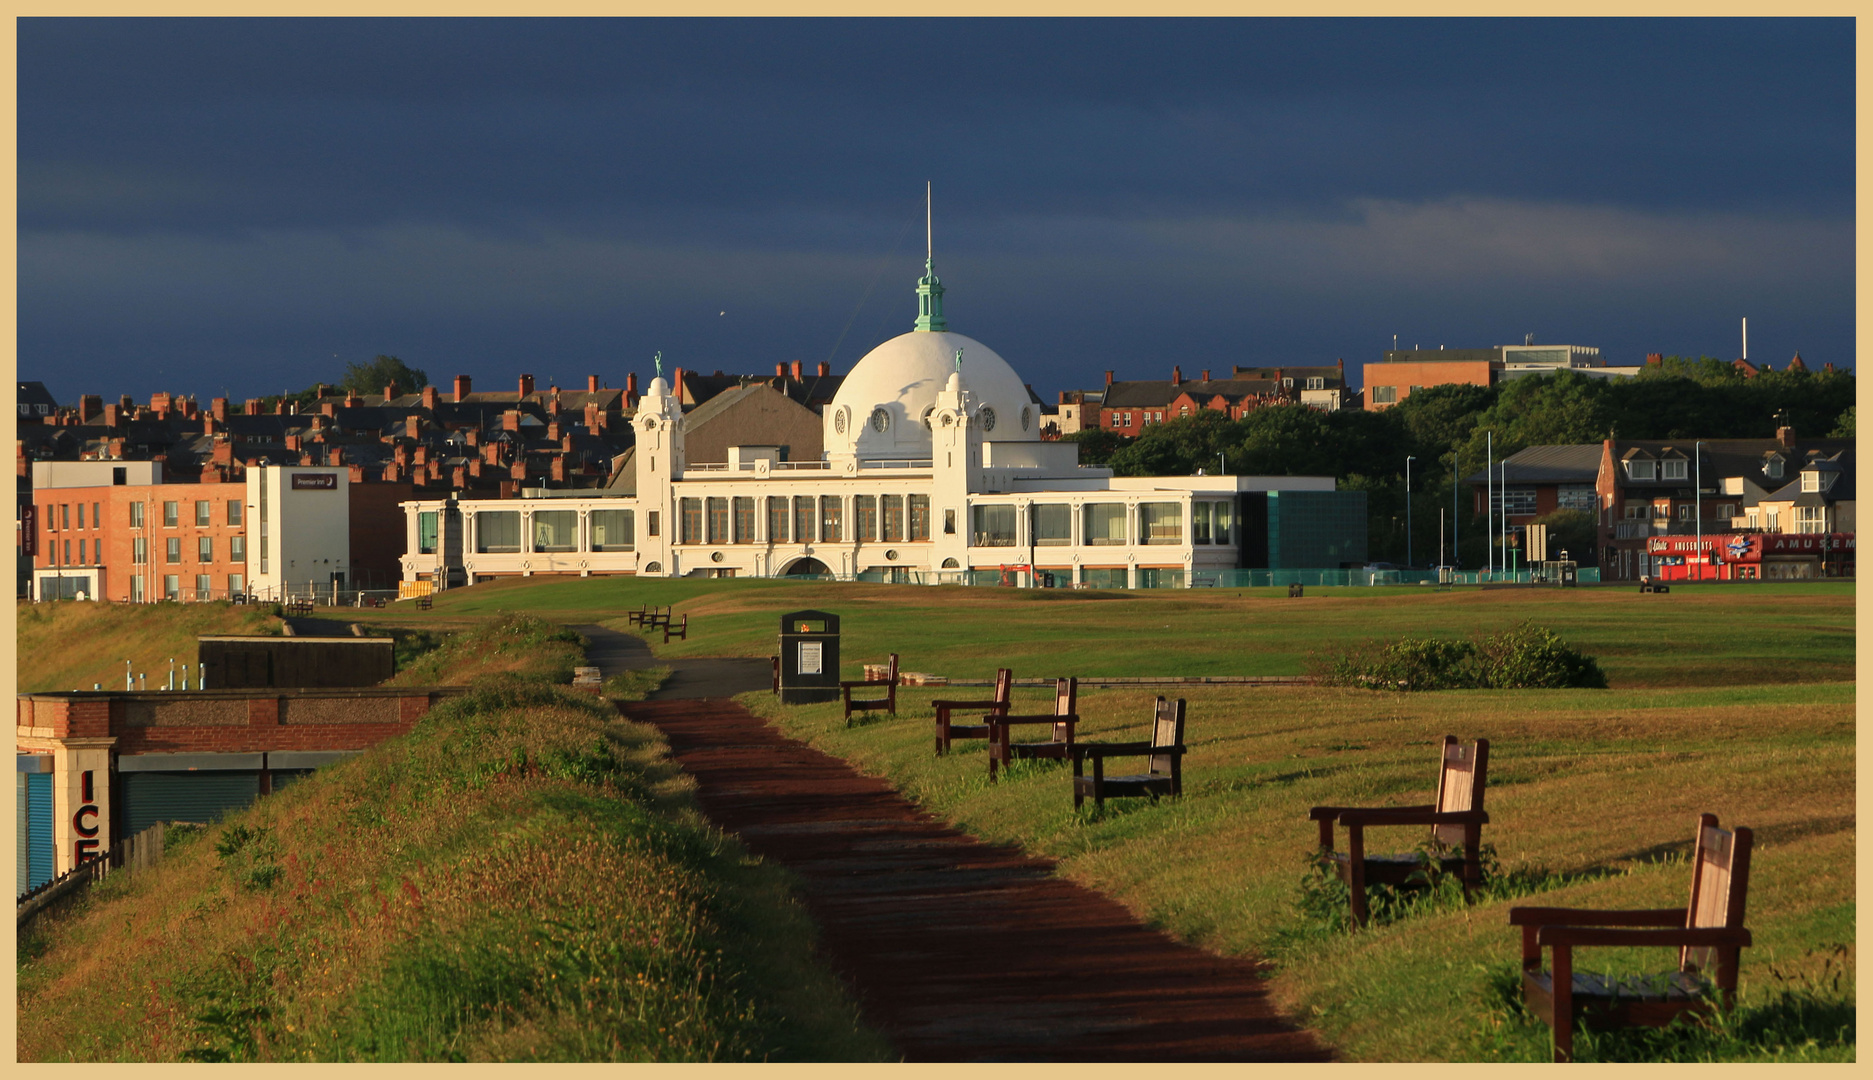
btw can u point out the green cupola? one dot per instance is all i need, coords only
(930, 301)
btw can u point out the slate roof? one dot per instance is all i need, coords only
(1551, 464)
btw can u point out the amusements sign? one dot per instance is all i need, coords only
(322, 481)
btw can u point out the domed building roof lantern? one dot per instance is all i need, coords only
(884, 405)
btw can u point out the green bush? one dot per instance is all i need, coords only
(1526, 657)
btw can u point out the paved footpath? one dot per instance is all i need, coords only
(957, 950)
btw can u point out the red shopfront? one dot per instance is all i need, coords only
(1753, 556)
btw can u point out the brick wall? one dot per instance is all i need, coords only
(231, 721)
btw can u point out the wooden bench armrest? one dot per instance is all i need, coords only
(1560, 916)
(1131, 749)
(1714, 936)
(867, 682)
(961, 706)
(1412, 816)
(1329, 813)
(996, 719)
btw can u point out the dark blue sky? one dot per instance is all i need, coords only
(236, 206)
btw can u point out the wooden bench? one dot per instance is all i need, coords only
(1708, 934)
(1456, 821)
(678, 629)
(424, 602)
(1058, 746)
(657, 619)
(1647, 585)
(1163, 754)
(300, 607)
(946, 731)
(1294, 590)
(636, 618)
(888, 702)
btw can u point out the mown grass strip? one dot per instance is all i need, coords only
(1688, 638)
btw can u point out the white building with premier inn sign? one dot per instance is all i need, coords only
(934, 467)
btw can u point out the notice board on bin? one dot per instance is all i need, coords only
(809, 657)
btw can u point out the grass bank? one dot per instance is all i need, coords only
(1592, 800)
(522, 877)
(1688, 637)
(67, 645)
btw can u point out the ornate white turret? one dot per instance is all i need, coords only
(956, 451)
(659, 427)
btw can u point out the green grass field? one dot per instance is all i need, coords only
(1735, 700)
(1694, 636)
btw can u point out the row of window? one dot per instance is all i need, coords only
(1388, 395)
(498, 531)
(807, 519)
(62, 516)
(1051, 524)
(204, 588)
(1521, 501)
(1686, 511)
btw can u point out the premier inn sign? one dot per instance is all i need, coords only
(323, 481)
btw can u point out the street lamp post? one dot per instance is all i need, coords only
(1408, 460)
(1697, 451)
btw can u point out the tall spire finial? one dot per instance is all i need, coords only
(929, 289)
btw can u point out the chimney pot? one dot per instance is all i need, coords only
(825, 369)
(390, 391)
(630, 384)
(1206, 374)
(462, 388)
(1177, 375)
(1108, 376)
(591, 384)
(526, 385)
(796, 371)
(780, 371)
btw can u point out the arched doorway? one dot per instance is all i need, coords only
(805, 567)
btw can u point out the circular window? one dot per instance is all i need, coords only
(1027, 415)
(838, 421)
(891, 555)
(650, 424)
(948, 419)
(880, 419)
(927, 410)
(715, 556)
(988, 418)
(949, 564)
(653, 568)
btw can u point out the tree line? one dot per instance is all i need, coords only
(1449, 429)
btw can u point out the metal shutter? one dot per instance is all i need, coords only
(202, 796)
(39, 854)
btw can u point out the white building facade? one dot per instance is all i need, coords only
(934, 470)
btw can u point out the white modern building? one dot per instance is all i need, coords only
(301, 532)
(933, 467)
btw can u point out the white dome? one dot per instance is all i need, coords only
(903, 376)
